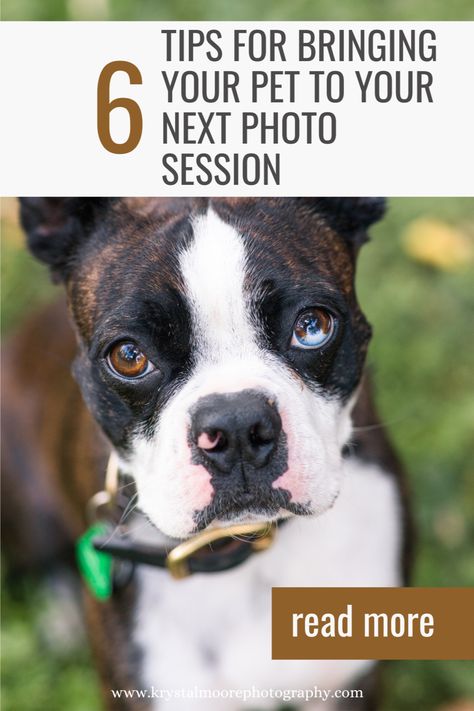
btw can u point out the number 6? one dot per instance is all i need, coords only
(105, 108)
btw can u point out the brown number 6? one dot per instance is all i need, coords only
(105, 108)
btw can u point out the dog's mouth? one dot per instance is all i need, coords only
(246, 507)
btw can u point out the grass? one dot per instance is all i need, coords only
(35, 676)
(422, 354)
(244, 10)
(422, 358)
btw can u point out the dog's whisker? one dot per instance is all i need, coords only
(114, 531)
(384, 423)
(130, 507)
(126, 514)
(256, 536)
(124, 486)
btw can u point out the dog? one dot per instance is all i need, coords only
(218, 352)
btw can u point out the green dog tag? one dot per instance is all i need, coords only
(95, 567)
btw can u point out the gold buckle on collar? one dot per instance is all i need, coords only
(177, 559)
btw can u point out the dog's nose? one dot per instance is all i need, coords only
(233, 427)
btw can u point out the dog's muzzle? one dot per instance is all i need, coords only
(213, 550)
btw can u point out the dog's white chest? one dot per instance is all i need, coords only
(214, 631)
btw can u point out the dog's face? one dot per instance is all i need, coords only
(220, 342)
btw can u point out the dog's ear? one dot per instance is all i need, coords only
(350, 216)
(56, 226)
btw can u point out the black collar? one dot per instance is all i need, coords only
(211, 551)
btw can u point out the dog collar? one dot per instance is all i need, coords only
(213, 550)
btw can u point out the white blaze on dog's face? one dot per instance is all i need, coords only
(248, 435)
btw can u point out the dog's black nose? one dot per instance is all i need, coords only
(228, 428)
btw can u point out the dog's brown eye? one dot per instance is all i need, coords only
(313, 328)
(127, 360)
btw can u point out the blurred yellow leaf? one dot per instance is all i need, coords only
(438, 244)
(11, 234)
(461, 705)
(450, 527)
(9, 209)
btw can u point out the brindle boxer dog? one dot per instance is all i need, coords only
(218, 348)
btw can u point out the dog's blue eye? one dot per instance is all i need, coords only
(312, 329)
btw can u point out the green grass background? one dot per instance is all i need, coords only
(422, 356)
(243, 10)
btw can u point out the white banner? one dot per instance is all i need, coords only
(224, 108)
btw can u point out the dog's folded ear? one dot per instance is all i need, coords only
(350, 216)
(56, 226)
